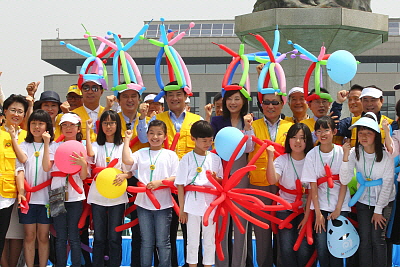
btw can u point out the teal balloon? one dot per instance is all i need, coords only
(226, 141)
(341, 66)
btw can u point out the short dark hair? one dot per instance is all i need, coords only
(217, 97)
(322, 90)
(356, 87)
(158, 123)
(101, 136)
(39, 115)
(201, 129)
(18, 99)
(377, 141)
(325, 122)
(293, 130)
(245, 108)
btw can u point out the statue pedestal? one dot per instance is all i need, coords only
(337, 28)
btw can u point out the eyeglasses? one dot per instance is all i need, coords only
(109, 123)
(16, 111)
(87, 88)
(70, 97)
(273, 102)
(319, 132)
(65, 125)
(321, 101)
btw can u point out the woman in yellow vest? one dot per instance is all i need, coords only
(11, 185)
(234, 109)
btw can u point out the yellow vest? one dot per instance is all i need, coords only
(8, 188)
(57, 127)
(354, 131)
(185, 143)
(259, 176)
(81, 112)
(289, 119)
(138, 144)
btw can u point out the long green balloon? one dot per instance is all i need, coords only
(245, 70)
(124, 67)
(174, 65)
(317, 76)
(272, 76)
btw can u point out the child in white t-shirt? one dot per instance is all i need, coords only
(192, 171)
(108, 213)
(153, 165)
(327, 202)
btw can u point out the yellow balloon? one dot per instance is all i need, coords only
(104, 183)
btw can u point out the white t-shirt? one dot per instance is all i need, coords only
(114, 152)
(34, 173)
(284, 167)
(166, 162)
(196, 203)
(378, 196)
(314, 169)
(60, 181)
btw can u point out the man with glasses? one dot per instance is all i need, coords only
(74, 97)
(297, 104)
(273, 128)
(91, 109)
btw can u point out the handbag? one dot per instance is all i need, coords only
(56, 201)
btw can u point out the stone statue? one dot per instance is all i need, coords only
(364, 5)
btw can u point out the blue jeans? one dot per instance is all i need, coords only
(66, 226)
(105, 219)
(372, 250)
(325, 258)
(154, 230)
(287, 239)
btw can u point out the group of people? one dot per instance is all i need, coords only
(33, 131)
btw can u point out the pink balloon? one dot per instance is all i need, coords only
(62, 157)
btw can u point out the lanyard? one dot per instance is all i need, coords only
(37, 154)
(368, 177)
(153, 165)
(199, 169)
(108, 158)
(273, 137)
(294, 168)
(320, 156)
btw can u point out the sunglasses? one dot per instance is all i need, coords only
(273, 102)
(94, 88)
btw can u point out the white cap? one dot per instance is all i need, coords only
(69, 117)
(187, 101)
(373, 92)
(96, 81)
(295, 90)
(367, 122)
(151, 97)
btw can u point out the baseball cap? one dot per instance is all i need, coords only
(367, 122)
(373, 92)
(150, 97)
(295, 90)
(74, 89)
(70, 117)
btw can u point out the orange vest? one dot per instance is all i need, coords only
(185, 143)
(354, 131)
(259, 176)
(81, 112)
(138, 144)
(8, 188)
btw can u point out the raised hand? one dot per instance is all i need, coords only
(143, 109)
(46, 137)
(31, 88)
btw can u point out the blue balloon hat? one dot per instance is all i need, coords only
(342, 238)
(226, 141)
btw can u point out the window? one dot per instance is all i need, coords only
(389, 104)
(366, 67)
(194, 103)
(394, 28)
(254, 107)
(386, 67)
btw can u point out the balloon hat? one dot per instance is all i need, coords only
(93, 69)
(122, 60)
(272, 70)
(176, 66)
(341, 68)
(238, 58)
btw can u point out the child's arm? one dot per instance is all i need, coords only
(17, 149)
(157, 183)
(306, 212)
(19, 180)
(388, 138)
(319, 218)
(81, 161)
(119, 178)
(216, 178)
(272, 176)
(126, 152)
(183, 217)
(338, 209)
(46, 162)
(89, 148)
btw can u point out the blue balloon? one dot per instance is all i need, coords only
(341, 66)
(226, 141)
(342, 238)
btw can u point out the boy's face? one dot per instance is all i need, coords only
(325, 135)
(203, 144)
(319, 107)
